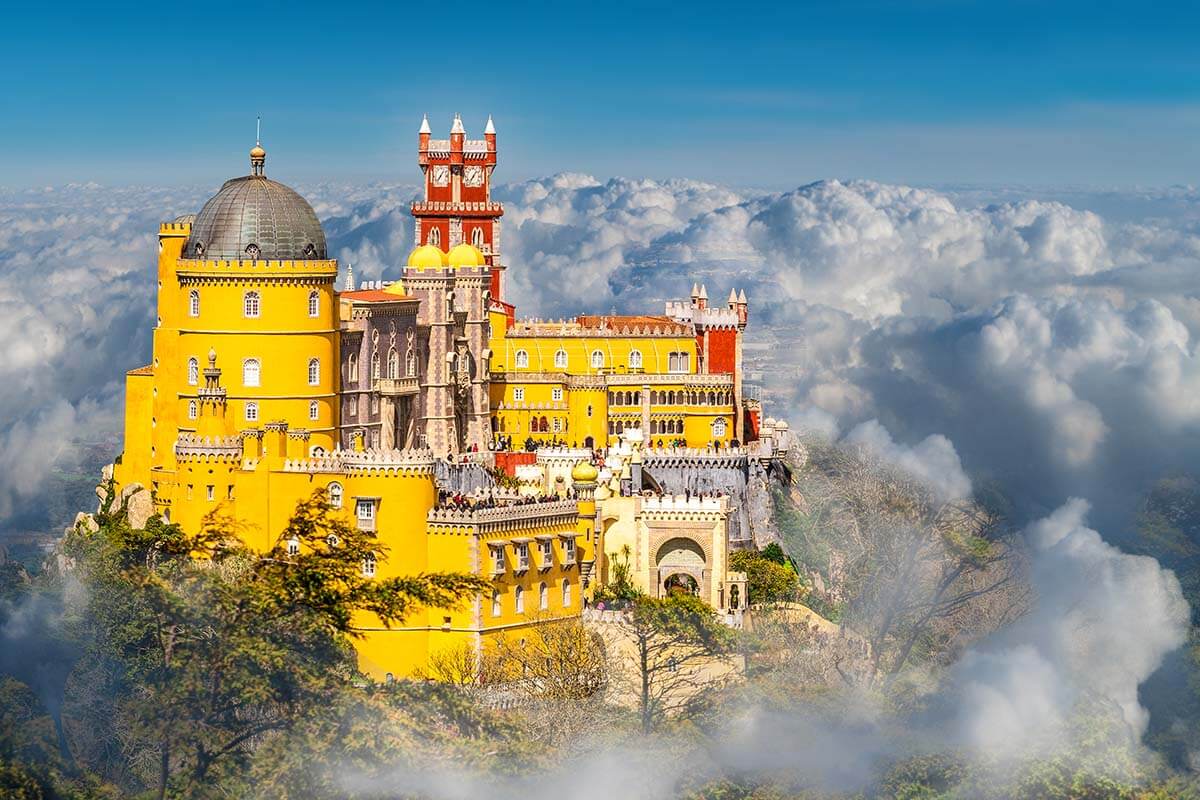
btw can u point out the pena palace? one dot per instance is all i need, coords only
(464, 437)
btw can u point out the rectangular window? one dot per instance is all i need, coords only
(519, 394)
(557, 425)
(365, 510)
(568, 550)
(497, 560)
(251, 412)
(314, 410)
(522, 556)
(546, 554)
(556, 394)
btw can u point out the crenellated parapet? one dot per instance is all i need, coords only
(405, 463)
(511, 516)
(207, 271)
(680, 507)
(189, 446)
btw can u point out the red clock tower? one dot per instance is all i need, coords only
(458, 203)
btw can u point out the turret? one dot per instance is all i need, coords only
(702, 298)
(743, 311)
(732, 302)
(695, 294)
(423, 135)
(489, 135)
(458, 135)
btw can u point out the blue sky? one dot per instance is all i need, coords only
(1098, 94)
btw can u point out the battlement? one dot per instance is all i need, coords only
(362, 461)
(573, 328)
(462, 209)
(174, 229)
(672, 506)
(263, 268)
(189, 445)
(508, 515)
(703, 317)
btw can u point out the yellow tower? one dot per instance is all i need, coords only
(247, 333)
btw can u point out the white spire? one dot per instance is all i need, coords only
(425, 124)
(703, 291)
(458, 126)
(732, 297)
(490, 128)
(742, 297)
(349, 278)
(695, 290)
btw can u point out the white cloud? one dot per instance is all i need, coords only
(933, 460)
(1103, 622)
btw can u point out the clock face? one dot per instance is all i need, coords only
(441, 176)
(473, 176)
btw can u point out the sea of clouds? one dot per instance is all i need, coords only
(1037, 342)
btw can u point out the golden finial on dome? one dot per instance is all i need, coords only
(258, 156)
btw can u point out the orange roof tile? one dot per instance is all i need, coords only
(374, 296)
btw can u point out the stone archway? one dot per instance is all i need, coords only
(680, 582)
(681, 563)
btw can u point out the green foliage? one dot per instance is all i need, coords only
(620, 588)
(768, 579)
(210, 648)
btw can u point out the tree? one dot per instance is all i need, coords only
(674, 648)
(217, 647)
(767, 579)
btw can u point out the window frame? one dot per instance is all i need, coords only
(251, 411)
(193, 371)
(596, 359)
(314, 372)
(252, 305)
(194, 303)
(249, 364)
(335, 492)
(521, 359)
(314, 304)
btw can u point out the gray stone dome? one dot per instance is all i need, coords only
(253, 217)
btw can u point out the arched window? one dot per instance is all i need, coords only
(560, 359)
(251, 412)
(293, 546)
(194, 303)
(314, 303)
(335, 494)
(522, 360)
(520, 593)
(635, 359)
(375, 365)
(566, 593)
(393, 363)
(193, 371)
(314, 371)
(718, 428)
(251, 304)
(477, 238)
(496, 602)
(192, 410)
(435, 237)
(314, 410)
(352, 368)
(251, 372)
(653, 427)
(543, 597)
(368, 565)
(410, 363)
(597, 359)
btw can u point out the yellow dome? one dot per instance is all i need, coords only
(584, 472)
(465, 255)
(395, 287)
(427, 256)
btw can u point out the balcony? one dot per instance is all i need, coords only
(396, 387)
